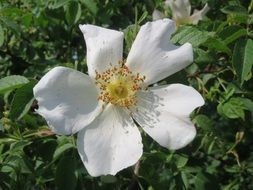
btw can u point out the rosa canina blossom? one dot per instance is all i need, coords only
(106, 106)
(181, 12)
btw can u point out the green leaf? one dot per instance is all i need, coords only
(19, 145)
(236, 14)
(27, 19)
(235, 36)
(248, 104)
(129, 34)
(232, 33)
(233, 109)
(207, 77)
(233, 9)
(22, 101)
(192, 35)
(1, 36)
(91, 5)
(180, 160)
(12, 82)
(251, 19)
(202, 56)
(10, 24)
(61, 149)
(217, 44)
(108, 179)
(1, 127)
(59, 3)
(243, 58)
(73, 12)
(205, 181)
(65, 178)
(10, 11)
(204, 122)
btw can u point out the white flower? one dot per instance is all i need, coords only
(103, 106)
(181, 12)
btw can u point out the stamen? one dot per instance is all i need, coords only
(118, 85)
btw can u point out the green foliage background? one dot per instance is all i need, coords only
(36, 36)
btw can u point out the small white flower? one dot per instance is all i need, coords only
(181, 12)
(103, 106)
(156, 15)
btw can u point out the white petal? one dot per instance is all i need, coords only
(180, 8)
(67, 99)
(178, 99)
(153, 56)
(198, 15)
(156, 15)
(104, 47)
(163, 112)
(109, 144)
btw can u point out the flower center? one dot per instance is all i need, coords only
(118, 89)
(118, 85)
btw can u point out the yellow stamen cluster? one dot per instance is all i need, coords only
(118, 85)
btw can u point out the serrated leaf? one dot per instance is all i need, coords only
(22, 101)
(65, 177)
(73, 12)
(12, 82)
(243, 58)
(192, 35)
